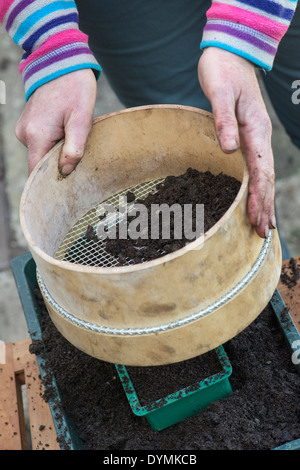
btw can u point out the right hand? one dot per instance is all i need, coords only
(61, 108)
(241, 120)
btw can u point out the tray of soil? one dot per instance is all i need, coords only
(153, 310)
(91, 410)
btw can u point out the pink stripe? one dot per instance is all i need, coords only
(58, 40)
(253, 20)
(4, 6)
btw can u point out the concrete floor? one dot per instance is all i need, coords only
(13, 175)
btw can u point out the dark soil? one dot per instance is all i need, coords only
(290, 274)
(154, 383)
(215, 192)
(262, 412)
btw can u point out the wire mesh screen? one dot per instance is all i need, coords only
(79, 248)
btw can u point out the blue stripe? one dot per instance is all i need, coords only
(27, 24)
(236, 51)
(30, 42)
(61, 72)
(272, 8)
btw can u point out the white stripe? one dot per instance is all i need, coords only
(282, 3)
(25, 12)
(79, 59)
(245, 29)
(250, 49)
(52, 32)
(12, 6)
(41, 22)
(58, 51)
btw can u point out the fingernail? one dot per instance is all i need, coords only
(66, 169)
(273, 222)
(230, 145)
(266, 231)
(258, 219)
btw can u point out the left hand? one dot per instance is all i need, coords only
(61, 108)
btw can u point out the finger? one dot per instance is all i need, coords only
(36, 151)
(34, 156)
(76, 133)
(272, 216)
(37, 145)
(32, 135)
(261, 201)
(256, 146)
(226, 125)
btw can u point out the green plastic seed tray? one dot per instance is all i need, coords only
(184, 403)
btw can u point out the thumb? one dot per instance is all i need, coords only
(226, 124)
(76, 134)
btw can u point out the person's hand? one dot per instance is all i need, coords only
(241, 120)
(61, 108)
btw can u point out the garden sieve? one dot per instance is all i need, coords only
(173, 308)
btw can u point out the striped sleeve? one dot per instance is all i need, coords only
(48, 33)
(250, 28)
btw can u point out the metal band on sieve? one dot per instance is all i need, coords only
(156, 329)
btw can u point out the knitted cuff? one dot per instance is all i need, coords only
(63, 53)
(249, 31)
